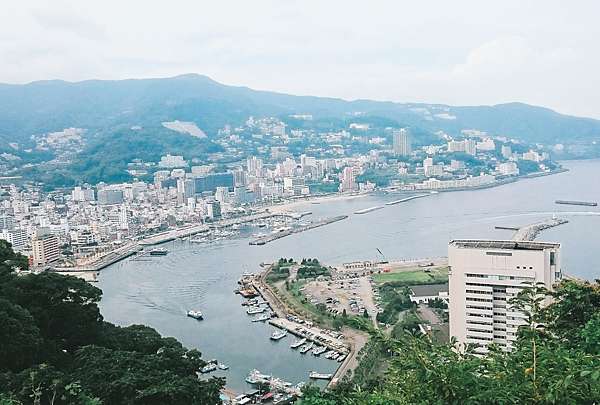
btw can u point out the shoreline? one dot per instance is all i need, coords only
(277, 209)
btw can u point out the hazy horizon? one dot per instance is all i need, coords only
(458, 54)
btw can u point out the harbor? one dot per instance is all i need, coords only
(158, 292)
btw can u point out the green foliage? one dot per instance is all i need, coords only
(56, 349)
(554, 360)
(311, 268)
(396, 300)
(527, 166)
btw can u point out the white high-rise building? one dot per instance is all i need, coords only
(348, 180)
(484, 276)
(402, 146)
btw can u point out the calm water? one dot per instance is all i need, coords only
(159, 291)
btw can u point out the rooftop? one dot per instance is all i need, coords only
(503, 244)
(428, 290)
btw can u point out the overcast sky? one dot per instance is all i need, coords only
(456, 52)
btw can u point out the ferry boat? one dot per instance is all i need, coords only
(159, 252)
(320, 376)
(255, 310)
(298, 343)
(195, 314)
(278, 334)
(306, 348)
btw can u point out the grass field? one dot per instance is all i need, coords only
(414, 277)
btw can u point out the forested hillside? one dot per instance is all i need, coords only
(55, 348)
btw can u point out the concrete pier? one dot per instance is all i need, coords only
(531, 231)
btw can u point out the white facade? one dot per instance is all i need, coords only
(484, 276)
(402, 145)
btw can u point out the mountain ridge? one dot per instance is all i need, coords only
(51, 105)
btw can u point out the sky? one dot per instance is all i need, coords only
(456, 52)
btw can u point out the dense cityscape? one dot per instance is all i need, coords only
(68, 228)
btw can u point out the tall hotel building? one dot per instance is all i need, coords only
(401, 142)
(484, 276)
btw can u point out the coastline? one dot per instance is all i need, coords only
(277, 209)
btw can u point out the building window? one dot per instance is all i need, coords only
(552, 258)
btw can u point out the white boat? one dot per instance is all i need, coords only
(318, 350)
(329, 354)
(341, 358)
(195, 314)
(256, 310)
(320, 376)
(261, 318)
(298, 343)
(278, 334)
(255, 377)
(223, 366)
(306, 348)
(208, 368)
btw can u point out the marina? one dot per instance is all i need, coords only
(203, 276)
(287, 232)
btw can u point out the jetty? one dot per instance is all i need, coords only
(262, 240)
(367, 210)
(412, 197)
(531, 231)
(584, 203)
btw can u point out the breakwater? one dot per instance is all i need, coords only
(282, 234)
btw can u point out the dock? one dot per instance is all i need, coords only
(263, 240)
(354, 342)
(103, 261)
(311, 333)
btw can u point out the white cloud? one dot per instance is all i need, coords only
(459, 52)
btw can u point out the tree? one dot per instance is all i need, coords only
(20, 337)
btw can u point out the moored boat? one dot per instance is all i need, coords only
(320, 376)
(298, 343)
(255, 310)
(208, 368)
(278, 334)
(306, 348)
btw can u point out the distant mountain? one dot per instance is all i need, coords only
(47, 106)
